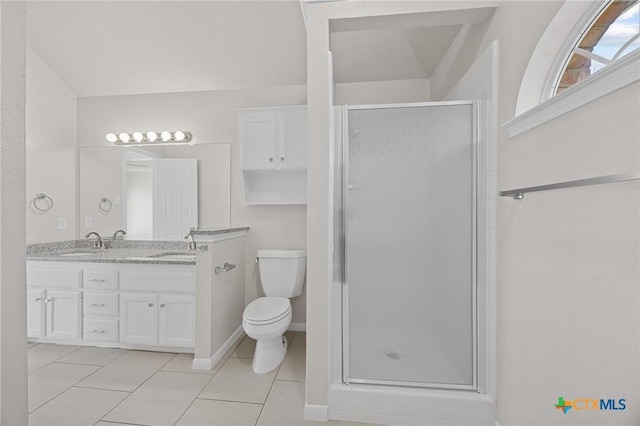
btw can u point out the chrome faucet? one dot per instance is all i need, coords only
(119, 232)
(192, 243)
(98, 244)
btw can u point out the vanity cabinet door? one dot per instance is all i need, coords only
(35, 313)
(177, 320)
(139, 318)
(64, 314)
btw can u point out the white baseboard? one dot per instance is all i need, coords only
(297, 326)
(318, 413)
(209, 363)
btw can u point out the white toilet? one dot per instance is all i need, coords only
(267, 318)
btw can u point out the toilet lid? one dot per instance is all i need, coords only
(267, 309)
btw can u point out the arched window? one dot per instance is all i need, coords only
(574, 64)
(614, 33)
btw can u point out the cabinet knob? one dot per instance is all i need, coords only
(270, 158)
(281, 158)
(162, 305)
(48, 300)
(150, 305)
(37, 299)
(97, 331)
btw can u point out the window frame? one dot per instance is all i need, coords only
(620, 73)
(583, 26)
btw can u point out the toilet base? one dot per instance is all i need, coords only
(269, 354)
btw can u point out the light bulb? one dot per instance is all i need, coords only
(112, 137)
(124, 137)
(165, 136)
(138, 136)
(179, 136)
(152, 136)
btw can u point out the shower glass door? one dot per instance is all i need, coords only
(409, 246)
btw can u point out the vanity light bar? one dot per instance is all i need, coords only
(160, 138)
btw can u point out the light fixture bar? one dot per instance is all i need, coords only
(164, 137)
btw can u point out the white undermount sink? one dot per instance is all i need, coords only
(175, 256)
(79, 254)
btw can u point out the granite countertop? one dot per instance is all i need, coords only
(217, 231)
(117, 251)
(122, 251)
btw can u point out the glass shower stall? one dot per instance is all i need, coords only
(408, 178)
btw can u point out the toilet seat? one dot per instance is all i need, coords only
(267, 310)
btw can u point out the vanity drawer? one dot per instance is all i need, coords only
(100, 280)
(101, 304)
(101, 329)
(53, 277)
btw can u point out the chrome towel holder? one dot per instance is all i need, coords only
(105, 205)
(518, 194)
(42, 196)
(226, 268)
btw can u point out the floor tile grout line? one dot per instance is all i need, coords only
(100, 389)
(229, 400)
(194, 400)
(141, 384)
(65, 390)
(266, 398)
(120, 423)
(51, 362)
(163, 371)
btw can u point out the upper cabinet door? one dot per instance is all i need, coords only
(292, 139)
(258, 136)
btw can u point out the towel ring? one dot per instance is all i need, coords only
(42, 196)
(105, 205)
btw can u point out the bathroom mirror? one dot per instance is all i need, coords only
(116, 189)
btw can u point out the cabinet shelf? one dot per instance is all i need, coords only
(263, 187)
(287, 170)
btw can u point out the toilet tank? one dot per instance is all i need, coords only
(282, 272)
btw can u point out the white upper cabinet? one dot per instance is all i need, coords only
(273, 138)
(274, 154)
(292, 139)
(258, 136)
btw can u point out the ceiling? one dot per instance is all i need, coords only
(101, 48)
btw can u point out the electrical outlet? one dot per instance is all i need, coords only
(62, 223)
(88, 222)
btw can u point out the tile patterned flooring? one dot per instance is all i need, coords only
(77, 386)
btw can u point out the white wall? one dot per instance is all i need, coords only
(212, 119)
(51, 152)
(13, 321)
(99, 180)
(568, 267)
(382, 92)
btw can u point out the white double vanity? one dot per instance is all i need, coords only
(140, 295)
